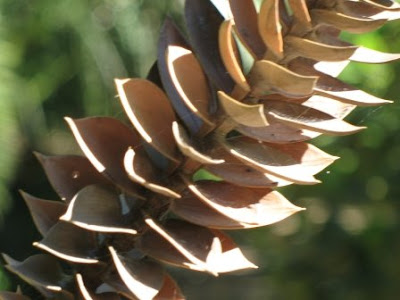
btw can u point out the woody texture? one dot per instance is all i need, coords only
(225, 117)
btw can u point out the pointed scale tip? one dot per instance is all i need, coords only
(70, 122)
(39, 156)
(8, 259)
(120, 81)
(22, 193)
(253, 266)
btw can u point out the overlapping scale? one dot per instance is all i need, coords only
(296, 162)
(344, 22)
(246, 24)
(228, 52)
(150, 112)
(145, 279)
(301, 13)
(302, 47)
(187, 148)
(193, 90)
(41, 271)
(45, 213)
(97, 209)
(237, 207)
(92, 295)
(194, 247)
(201, 109)
(173, 48)
(104, 141)
(70, 173)
(203, 22)
(268, 77)
(140, 170)
(304, 117)
(336, 89)
(277, 132)
(240, 173)
(270, 27)
(329, 106)
(191, 209)
(248, 115)
(70, 243)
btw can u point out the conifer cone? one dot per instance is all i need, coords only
(223, 119)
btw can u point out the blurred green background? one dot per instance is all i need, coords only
(59, 58)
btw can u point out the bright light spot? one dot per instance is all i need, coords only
(317, 212)
(352, 219)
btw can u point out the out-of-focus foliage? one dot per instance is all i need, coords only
(59, 58)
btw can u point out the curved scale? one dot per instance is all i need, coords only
(344, 22)
(246, 114)
(97, 209)
(141, 171)
(45, 213)
(316, 50)
(41, 271)
(226, 44)
(104, 142)
(305, 117)
(70, 243)
(242, 207)
(192, 90)
(68, 174)
(297, 162)
(191, 246)
(245, 16)
(149, 110)
(270, 28)
(143, 279)
(203, 21)
(171, 36)
(188, 149)
(267, 76)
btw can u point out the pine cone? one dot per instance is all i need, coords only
(222, 120)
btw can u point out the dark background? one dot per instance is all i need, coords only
(59, 58)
